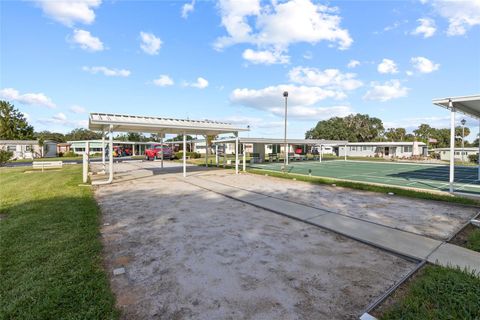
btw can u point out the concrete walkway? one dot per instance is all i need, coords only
(394, 240)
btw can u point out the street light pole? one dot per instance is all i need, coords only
(463, 137)
(285, 95)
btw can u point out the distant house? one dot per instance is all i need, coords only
(95, 146)
(29, 149)
(445, 153)
(383, 149)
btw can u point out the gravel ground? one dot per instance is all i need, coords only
(438, 220)
(192, 254)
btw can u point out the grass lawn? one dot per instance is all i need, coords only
(473, 241)
(437, 293)
(51, 265)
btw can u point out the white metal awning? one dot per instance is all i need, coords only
(468, 105)
(128, 123)
(315, 142)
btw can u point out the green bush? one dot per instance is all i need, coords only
(70, 154)
(5, 157)
(191, 155)
(473, 158)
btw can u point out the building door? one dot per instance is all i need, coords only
(387, 151)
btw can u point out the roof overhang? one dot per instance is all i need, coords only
(315, 142)
(468, 105)
(128, 123)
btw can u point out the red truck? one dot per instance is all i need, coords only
(156, 150)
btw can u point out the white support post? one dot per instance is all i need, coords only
(236, 154)
(244, 158)
(452, 144)
(133, 149)
(216, 154)
(287, 149)
(345, 153)
(224, 155)
(321, 153)
(478, 150)
(161, 152)
(103, 150)
(206, 151)
(110, 154)
(184, 154)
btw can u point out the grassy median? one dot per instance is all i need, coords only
(51, 266)
(437, 293)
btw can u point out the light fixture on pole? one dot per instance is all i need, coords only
(463, 137)
(285, 95)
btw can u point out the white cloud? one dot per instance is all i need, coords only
(200, 84)
(330, 78)
(150, 43)
(69, 12)
(424, 65)
(163, 81)
(426, 28)
(60, 116)
(277, 25)
(409, 73)
(353, 64)
(187, 8)
(271, 97)
(77, 109)
(60, 119)
(86, 41)
(383, 92)
(313, 113)
(461, 15)
(265, 57)
(107, 71)
(387, 66)
(27, 98)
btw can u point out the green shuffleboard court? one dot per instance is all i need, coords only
(411, 175)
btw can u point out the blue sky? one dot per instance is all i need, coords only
(231, 60)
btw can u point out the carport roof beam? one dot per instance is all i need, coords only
(129, 123)
(468, 105)
(281, 141)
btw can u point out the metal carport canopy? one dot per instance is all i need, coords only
(280, 141)
(128, 123)
(468, 105)
(107, 122)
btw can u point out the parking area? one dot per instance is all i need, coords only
(411, 175)
(193, 253)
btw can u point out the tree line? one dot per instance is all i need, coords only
(354, 128)
(363, 128)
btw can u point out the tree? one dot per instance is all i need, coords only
(424, 132)
(5, 157)
(82, 134)
(52, 136)
(396, 134)
(13, 124)
(179, 137)
(355, 128)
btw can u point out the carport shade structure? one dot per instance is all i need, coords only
(106, 122)
(468, 105)
(267, 141)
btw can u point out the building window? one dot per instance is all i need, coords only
(407, 149)
(11, 148)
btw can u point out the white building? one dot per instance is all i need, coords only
(29, 149)
(445, 153)
(383, 149)
(95, 146)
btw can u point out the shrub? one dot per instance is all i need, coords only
(70, 154)
(191, 155)
(60, 154)
(473, 158)
(5, 157)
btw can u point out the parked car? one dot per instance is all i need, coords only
(155, 152)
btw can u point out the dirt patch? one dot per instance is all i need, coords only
(196, 254)
(461, 238)
(434, 219)
(397, 296)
